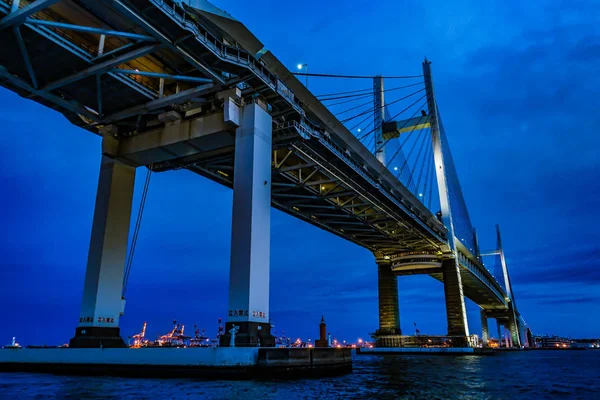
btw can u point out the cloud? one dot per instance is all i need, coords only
(559, 264)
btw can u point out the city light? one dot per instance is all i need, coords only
(395, 168)
(300, 66)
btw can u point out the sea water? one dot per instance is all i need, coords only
(536, 375)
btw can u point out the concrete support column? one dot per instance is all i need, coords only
(484, 329)
(524, 336)
(514, 333)
(456, 312)
(389, 315)
(499, 333)
(101, 304)
(251, 230)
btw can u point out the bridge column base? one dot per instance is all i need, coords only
(95, 337)
(388, 340)
(250, 334)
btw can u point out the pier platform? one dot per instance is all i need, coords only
(426, 350)
(173, 362)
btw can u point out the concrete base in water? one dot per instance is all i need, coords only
(425, 350)
(171, 362)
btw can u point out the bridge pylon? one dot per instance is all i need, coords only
(379, 117)
(456, 312)
(509, 318)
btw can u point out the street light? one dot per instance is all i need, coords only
(300, 66)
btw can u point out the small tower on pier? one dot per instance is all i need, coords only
(322, 342)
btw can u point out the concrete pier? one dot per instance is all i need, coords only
(485, 337)
(101, 304)
(456, 311)
(172, 362)
(389, 315)
(250, 236)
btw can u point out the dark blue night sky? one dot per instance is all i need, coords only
(517, 84)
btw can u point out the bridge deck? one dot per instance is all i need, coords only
(321, 172)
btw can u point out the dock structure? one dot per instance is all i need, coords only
(461, 351)
(173, 362)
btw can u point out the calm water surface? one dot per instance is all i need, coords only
(514, 375)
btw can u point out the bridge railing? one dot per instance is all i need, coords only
(243, 58)
(325, 139)
(226, 52)
(483, 274)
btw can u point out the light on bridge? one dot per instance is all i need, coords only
(395, 168)
(420, 194)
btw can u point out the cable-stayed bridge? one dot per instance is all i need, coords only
(168, 85)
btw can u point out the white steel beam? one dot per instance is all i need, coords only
(25, 55)
(100, 68)
(68, 104)
(135, 17)
(177, 98)
(20, 16)
(90, 29)
(161, 75)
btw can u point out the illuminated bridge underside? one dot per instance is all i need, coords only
(151, 88)
(316, 178)
(478, 284)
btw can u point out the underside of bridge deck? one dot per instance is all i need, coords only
(160, 63)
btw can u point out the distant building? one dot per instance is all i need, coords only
(552, 342)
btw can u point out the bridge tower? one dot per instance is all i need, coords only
(513, 324)
(379, 117)
(510, 318)
(456, 312)
(388, 334)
